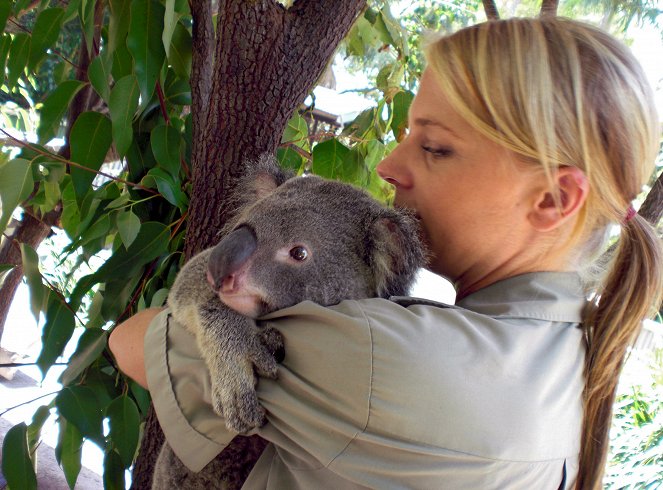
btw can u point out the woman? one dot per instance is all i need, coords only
(529, 139)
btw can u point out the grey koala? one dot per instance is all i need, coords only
(292, 239)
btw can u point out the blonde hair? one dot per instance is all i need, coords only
(559, 93)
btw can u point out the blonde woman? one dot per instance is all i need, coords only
(528, 140)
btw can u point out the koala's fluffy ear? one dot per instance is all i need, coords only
(396, 252)
(262, 177)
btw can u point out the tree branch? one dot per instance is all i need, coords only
(491, 9)
(549, 8)
(652, 208)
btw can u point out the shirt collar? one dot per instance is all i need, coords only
(556, 296)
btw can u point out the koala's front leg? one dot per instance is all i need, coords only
(233, 350)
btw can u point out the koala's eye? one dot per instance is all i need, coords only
(299, 253)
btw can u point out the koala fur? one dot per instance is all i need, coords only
(292, 239)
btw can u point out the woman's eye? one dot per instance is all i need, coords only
(299, 253)
(441, 152)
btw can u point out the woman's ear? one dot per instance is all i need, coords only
(572, 187)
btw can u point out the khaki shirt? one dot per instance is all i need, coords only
(401, 394)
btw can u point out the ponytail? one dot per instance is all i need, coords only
(612, 323)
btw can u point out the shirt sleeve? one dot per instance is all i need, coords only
(179, 385)
(308, 416)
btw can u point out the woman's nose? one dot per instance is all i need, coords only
(393, 169)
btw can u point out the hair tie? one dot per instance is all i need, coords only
(630, 212)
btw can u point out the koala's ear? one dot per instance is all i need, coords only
(262, 177)
(396, 253)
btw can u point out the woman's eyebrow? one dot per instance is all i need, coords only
(425, 122)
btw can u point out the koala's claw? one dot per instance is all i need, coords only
(240, 409)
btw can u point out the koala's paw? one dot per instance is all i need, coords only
(262, 351)
(235, 399)
(272, 340)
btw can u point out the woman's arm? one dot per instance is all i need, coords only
(126, 342)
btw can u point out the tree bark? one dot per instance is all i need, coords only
(549, 8)
(652, 208)
(491, 9)
(265, 61)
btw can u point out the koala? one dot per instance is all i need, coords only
(291, 239)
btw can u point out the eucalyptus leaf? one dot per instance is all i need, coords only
(86, 16)
(124, 427)
(113, 471)
(90, 346)
(169, 188)
(68, 451)
(146, 46)
(331, 159)
(5, 10)
(19, 53)
(128, 225)
(57, 331)
(80, 406)
(16, 184)
(90, 140)
(16, 463)
(120, 17)
(38, 292)
(179, 54)
(99, 75)
(166, 144)
(45, 33)
(122, 106)
(401, 106)
(5, 45)
(55, 107)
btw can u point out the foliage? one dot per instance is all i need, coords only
(636, 446)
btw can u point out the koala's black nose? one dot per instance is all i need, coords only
(231, 253)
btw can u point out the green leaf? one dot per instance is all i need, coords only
(128, 225)
(122, 106)
(170, 19)
(166, 143)
(176, 90)
(90, 140)
(124, 427)
(34, 429)
(296, 132)
(5, 10)
(331, 159)
(5, 44)
(68, 451)
(99, 75)
(159, 298)
(4, 270)
(44, 34)
(86, 15)
(18, 58)
(90, 346)
(119, 23)
(16, 463)
(55, 107)
(152, 241)
(168, 187)
(80, 406)
(38, 292)
(16, 184)
(401, 107)
(113, 471)
(179, 54)
(123, 63)
(56, 333)
(145, 44)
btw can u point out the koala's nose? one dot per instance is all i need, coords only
(231, 254)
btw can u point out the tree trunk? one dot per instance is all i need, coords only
(266, 59)
(491, 9)
(549, 8)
